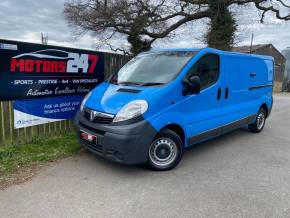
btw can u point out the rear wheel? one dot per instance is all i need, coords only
(260, 121)
(165, 152)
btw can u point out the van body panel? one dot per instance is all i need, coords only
(238, 105)
(194, 113)
(245, 83)
(111, 98)
(249, 83)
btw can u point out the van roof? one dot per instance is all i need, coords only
(230, 53)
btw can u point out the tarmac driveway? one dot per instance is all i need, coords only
(237, 175)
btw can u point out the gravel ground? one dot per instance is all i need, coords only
(237, 175)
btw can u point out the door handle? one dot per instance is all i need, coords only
(252, 74)
(227, 93)
(219, 95)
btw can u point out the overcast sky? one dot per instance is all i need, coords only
(27, 19)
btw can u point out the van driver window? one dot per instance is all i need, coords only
(207, 68)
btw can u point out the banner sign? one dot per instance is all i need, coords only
(44, 110)
(35, 71)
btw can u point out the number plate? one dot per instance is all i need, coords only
(88, 136)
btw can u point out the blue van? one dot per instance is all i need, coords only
(164, 101)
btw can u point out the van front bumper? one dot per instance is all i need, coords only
(127, 143)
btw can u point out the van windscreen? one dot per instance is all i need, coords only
(150, 69)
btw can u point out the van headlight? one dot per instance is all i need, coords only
(85, 100)
(131, 110)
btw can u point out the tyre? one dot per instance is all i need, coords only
(165, 152)
(260, 121)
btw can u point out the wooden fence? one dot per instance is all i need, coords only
(9, 135)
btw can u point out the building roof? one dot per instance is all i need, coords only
(247, 49)
(265, 49)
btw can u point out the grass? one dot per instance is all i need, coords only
(18, 158)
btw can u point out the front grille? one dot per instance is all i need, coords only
(93, 146)
(98, 117)
(97, 131)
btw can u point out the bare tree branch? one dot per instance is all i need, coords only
(145, 21)
(271, 8)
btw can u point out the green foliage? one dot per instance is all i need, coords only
(14, 158)
(138, 45)
(222, 26)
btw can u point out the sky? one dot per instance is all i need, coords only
(25, 20)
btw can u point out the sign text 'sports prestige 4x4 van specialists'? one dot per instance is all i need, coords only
(166, 100)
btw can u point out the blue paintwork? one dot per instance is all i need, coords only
(202, 112)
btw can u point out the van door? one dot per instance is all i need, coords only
(203, 110)
(238, 107)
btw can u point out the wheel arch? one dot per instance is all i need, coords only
(265, 106)
(178, 130)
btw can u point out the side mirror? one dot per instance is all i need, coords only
(191, 85)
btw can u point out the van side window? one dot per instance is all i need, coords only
(207, 68)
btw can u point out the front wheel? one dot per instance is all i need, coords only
(165, 152)
(260, 121)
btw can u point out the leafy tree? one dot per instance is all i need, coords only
(145, 21)
(222, 26)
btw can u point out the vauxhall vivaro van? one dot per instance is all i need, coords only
(163, 101)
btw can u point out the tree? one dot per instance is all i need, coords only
(142, 21)
(145, 21)
(222, 28)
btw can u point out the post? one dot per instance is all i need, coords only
(251, 47)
